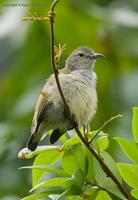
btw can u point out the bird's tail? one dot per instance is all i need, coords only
(35, 138)
(32, 142)
(56, 134)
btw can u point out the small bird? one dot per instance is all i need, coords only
(78, 83)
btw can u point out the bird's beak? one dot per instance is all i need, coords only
(96, 55)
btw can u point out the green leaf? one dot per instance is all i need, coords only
(90, 164)
(99, 174)
(73, 190)
(47, 169)
(78, 178)
(134, 193)
(114, 197)
(40, 149)
(91, 192)
(135, 124)
(103, 195)
(74, 197)
(102, 142)
(43, 195)
(63, 139)
(73, 159)
(36, 196)
(51, 156)
(54, 182)
(68, 182)
(105, 182)
(130, 148)
(129, 173)
(111, 164)
(93, 195)
(53, 196)
(71, 141)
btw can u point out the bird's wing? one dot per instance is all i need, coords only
(39, 110)
(43, 101)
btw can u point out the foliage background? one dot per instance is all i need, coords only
(109, 27)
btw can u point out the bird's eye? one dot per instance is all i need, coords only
(81, 54)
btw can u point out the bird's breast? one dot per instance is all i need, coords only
(82, 97)
(79, 88)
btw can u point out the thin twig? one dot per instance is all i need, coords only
(53, 5)
(86, 142)
(34, 17)
(104, 125)
(55, 69)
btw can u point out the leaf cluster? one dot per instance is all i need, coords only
(71, 172)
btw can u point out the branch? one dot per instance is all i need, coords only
(55, 69)
(104, 125)
(53, 5)
(86, 142)
(34, 17)
(103, 165)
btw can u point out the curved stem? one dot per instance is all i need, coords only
(54, 4)
(104, 125)
(87, 144)
(55, 69)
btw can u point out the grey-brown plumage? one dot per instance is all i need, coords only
(78, 83)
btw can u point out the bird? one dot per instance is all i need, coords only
(78, 83)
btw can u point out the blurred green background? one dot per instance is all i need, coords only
(108, 26)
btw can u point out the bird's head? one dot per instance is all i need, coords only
(82, 58)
